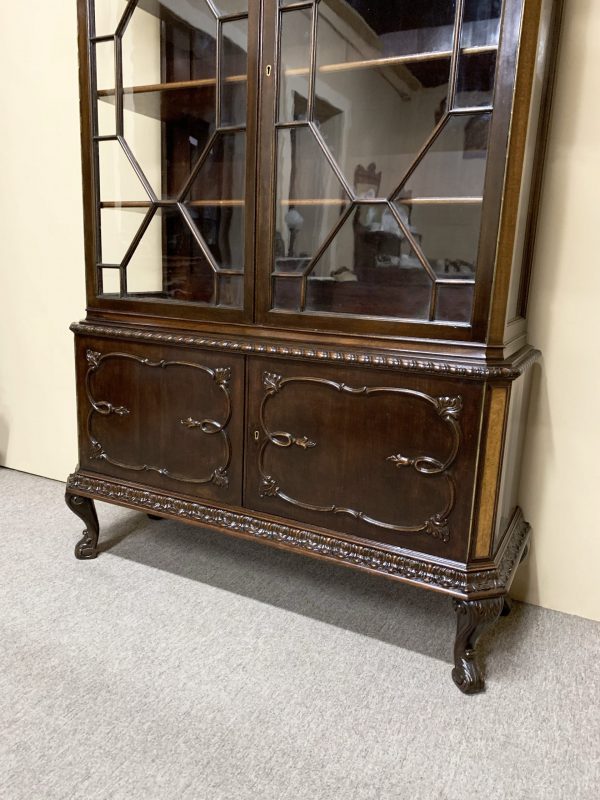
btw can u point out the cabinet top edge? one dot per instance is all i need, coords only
(399, 359)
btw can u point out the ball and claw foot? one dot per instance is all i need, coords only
(472, 617)
(87, 547)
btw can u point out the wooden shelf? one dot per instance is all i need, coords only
(143, 205)
(439, 201)
(173, 86)
(372, 63)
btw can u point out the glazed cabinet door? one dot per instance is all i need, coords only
(380, 118)
(161, 416)
(170, 156)
(376, 455)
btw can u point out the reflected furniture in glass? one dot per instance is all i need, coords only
(309, 234)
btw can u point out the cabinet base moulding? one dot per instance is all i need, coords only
(468, 582)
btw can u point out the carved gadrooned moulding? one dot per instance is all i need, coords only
(442, 367)
(444, 577)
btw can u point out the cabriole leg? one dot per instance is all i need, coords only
(472, 617)
(84, 507)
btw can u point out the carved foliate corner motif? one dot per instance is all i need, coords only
(268, 487)
(93, 358)
(220, 477)
(438, 527)
(449, 407)
(272, 382)
(222, 376)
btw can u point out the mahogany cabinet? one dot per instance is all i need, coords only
(309, 234)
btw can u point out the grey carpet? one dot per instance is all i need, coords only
(186, 664)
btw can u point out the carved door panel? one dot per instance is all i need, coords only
(379, 456)
(162, 416)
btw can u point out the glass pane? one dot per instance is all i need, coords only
(105, 66)
(172, 151)
(294, 65)
(107, 121)
(234, 69)
(118, 227)
(476, 76)
(108, 14)
(370, 268)
(231, 291)
(222, 229)
(111, 281)
(362, 77)
(309, 200)
(454, 303)
(222, 174)
(118, 180)
(454, 165)
(481, 23)
(168, 263)
(167, 132)
(231, 6)
(287, 293)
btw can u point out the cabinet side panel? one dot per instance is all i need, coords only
(533, 160)
(513, 453)
(496, 402)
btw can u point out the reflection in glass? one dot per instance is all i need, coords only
(447, 233)
(222, 174)
(294, 65)
(168, 263)
(370, 268)
(360, 79)
(454, 302)
(222, 229)
(476, 74)
(231, 291)
(309, 198)
(234, 69)
(481, 23)
(454, 166)
(172, 127)
(287, 293)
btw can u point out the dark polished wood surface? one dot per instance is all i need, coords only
(372, 413)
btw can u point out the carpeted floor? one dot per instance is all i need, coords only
(186, 665)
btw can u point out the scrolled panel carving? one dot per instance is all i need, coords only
(447, 408)
(219, 476)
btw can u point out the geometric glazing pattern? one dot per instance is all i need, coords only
(175, 113)
(396, 100)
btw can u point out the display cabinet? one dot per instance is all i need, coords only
(309, 234)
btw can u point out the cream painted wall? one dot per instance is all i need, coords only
(42, 291)
(561, 470)
(41, 235)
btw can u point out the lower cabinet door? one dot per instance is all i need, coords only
(375, 455)
(163, 416)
